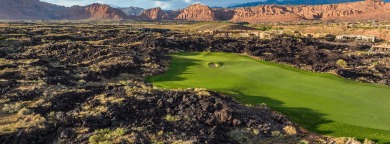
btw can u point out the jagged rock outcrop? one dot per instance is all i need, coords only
(223, 14)
(99, 11)
(363, 10)
(152, 14)
(28, 9)
(169, 15)
(292, 2)
(132, 11)
(36, 10)
(197, 12)
(304, 12)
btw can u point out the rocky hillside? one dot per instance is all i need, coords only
(152, 14)
(58, 88)
(292, 2)
(197, 12)
(363, 10)
(29, 9)
(343, 11)
(76, 84)
(98, 11)
(37, 10)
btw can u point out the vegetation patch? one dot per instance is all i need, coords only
(172, 118)
(324, 103)
(107, 136)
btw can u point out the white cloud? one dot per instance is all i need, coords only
(163, 5)
(187, 1)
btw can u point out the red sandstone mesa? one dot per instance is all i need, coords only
(364, 10)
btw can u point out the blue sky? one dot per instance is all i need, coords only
(165, 4)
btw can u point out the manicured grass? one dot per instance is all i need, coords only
(322, 103)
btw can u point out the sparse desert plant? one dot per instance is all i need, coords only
(12, 108)
(277, 134)
(342, 63)
(303, 142)
(367, 141)
(243, 136)
(346, 140)
(262, 106)
(24, 111)
(106, 135)
(290, 130)
(202, 92)
(172, 118)
(182, 142)
(33, 120)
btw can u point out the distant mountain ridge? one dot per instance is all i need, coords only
(361, 10)
(37, 10)
(292, 2)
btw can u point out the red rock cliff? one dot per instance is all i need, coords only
(99, 11)
(152, 14)
(197, 12)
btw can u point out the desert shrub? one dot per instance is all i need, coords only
(34, 120)
(202, 92)
(264, 28)
(367, 141)
(12, 108)
(290, 130)
(277, 134)
(104, 136)
(172, 118)
(24, 111)
(262, 106)
(349, 140)
(243, 136)
(342, 63)
(303, 142)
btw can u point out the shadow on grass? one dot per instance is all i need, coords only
(178, 66)
(309, 119)
(305, 117)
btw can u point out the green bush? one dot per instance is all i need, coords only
(172, 118)
(264, 28)
(342, 63)
(104, 136)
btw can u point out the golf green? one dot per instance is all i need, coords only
(322, 103)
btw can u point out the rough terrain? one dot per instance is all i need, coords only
(353, 11)
(85, 83)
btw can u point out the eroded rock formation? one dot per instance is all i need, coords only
(37, 10)
(152, 14)
(369, 9)
(363, 10)
(197, 12)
